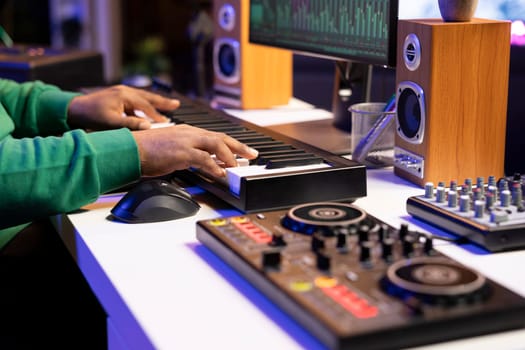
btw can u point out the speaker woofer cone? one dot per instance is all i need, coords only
(410, 112)
(226, 60)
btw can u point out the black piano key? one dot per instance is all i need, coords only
(179, 112)
(241, 133)
(197, 116)
(219, 127)
(265, 158)
(187, 106)
(288, 162)
(201, 119)
(181, 120)
(207, 125)
(266, 146)
(255, 138)
(274, 147)
(282, 152)
(225, 129)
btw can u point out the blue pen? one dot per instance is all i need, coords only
(382, 123)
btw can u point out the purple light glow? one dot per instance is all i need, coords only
(517, 33)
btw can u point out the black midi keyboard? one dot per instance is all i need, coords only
(287, 172)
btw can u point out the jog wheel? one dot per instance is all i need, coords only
(308, 218)
(435, 281)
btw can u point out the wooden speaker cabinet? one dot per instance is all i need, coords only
(452, 85)
(246, 75)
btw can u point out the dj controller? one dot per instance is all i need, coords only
(356, 282)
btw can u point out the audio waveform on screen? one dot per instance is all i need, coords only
(338, 27)
(359, 17)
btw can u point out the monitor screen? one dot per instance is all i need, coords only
(354, 30)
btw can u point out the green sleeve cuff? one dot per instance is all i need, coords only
(118, 160)
(7, 234)
(52, 114)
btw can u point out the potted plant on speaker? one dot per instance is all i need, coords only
(457, 10)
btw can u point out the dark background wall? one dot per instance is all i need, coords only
(168, 20)
(26, 20)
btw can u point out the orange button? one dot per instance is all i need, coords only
(325, 282)
(239, 219)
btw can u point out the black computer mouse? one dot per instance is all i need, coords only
(154, 201)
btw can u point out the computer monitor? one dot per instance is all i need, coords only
(356, 34)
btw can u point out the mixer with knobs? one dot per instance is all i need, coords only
(490, 214)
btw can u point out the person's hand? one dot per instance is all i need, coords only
(116, 107)
(178, 147)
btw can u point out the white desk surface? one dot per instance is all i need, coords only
(162, 289)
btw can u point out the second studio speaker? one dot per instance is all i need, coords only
(246, 75)
(451, 99)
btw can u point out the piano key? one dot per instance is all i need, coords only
(254, 138)
(266, 144)
(185, 112)
(293, 161)
(263, 159)
(224, 129)
(234, 133)
(274, 146)
(209, 125)
(281, 152)
(198, 121)
(245, 132)
(241, 133)
(240, 161)
(201, 118)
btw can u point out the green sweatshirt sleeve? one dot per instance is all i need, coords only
(44, 176)
(35, 108)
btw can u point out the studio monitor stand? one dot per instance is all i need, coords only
(352, 84)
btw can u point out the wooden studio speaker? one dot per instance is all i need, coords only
(246, 75)
(452, 85)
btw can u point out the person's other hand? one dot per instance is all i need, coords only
(178, 147)
(116, 107)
